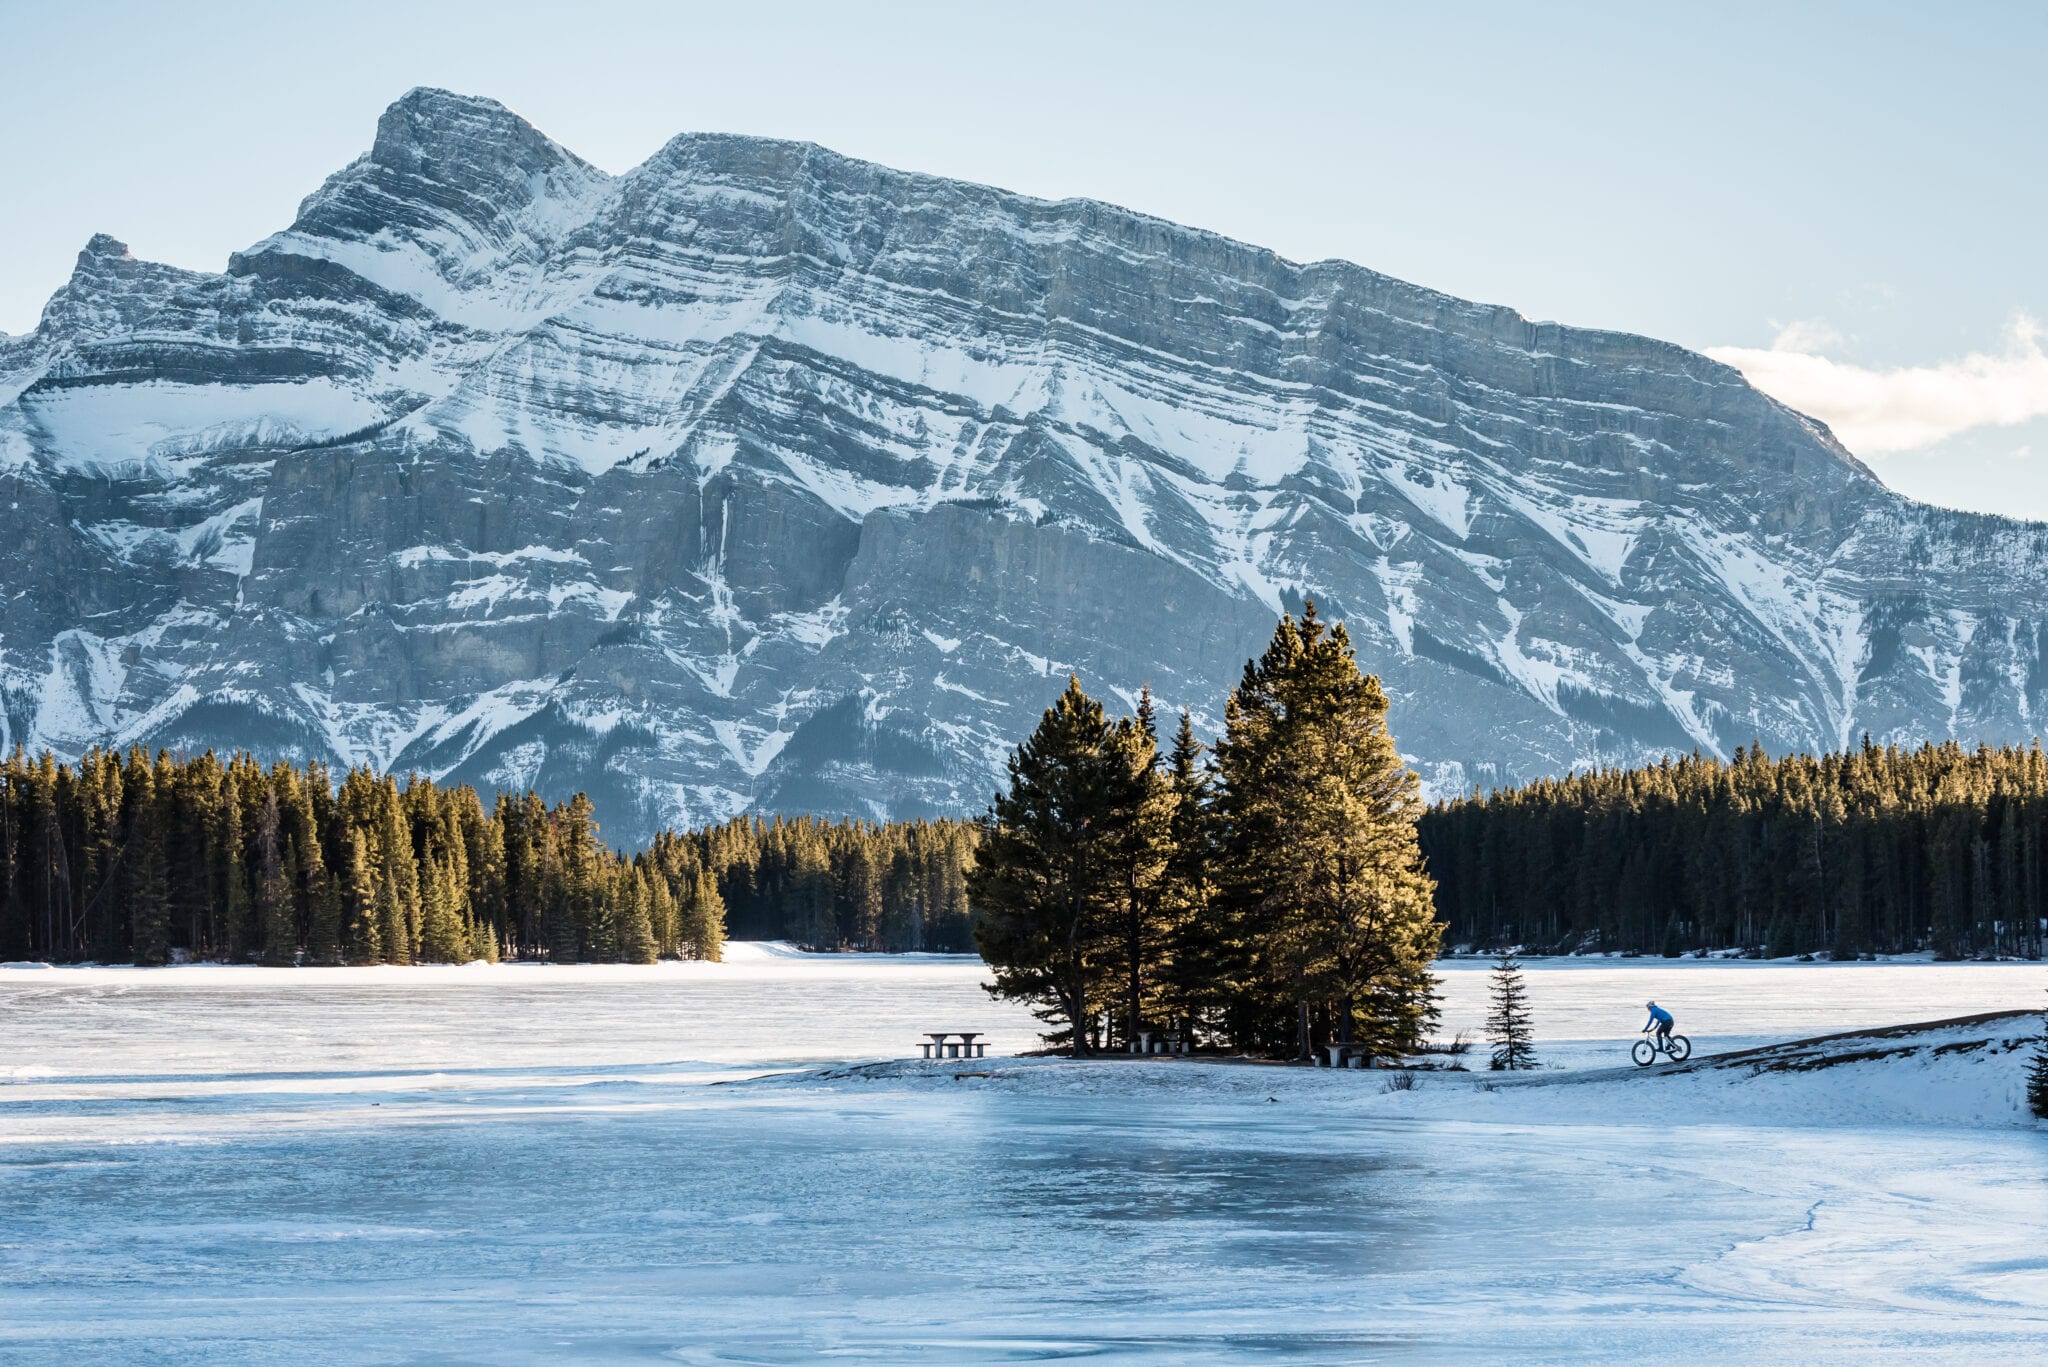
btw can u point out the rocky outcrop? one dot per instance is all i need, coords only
(759, 477)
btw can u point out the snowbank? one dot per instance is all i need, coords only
(1969, 1071)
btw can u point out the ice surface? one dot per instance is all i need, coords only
(517, 1164)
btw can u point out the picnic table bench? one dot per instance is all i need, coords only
(944, 1044)
(1159, 1042)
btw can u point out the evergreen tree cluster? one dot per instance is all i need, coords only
(845, 885)
(1871, 850)
(1271, 898)
(133, 857)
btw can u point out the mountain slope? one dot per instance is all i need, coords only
(762, 477)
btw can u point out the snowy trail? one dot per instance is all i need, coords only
(513, 1167)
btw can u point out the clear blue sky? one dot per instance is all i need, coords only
(1852, 196)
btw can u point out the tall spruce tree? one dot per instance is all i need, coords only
(323, 897)
(442, 938)
(149, 895)
(580, 891)
(860, 924)
(1320, 866)
(1042, 872)
(635, 926)
(1137, 847)
(274, 912)
(1508, 1027)
(364, 936)
(398, 882)
(662, 917)
(238, 912)
(1201, 964)
(706, 925)
(103, 790)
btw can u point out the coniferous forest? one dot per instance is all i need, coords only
(1875, 850)
(144, 858)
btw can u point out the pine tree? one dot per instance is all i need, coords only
(363, 937)
(483, 941)
(861, 926)
(397, 884)
(663, 917)
(273, 895)
(323, 919)
(1137, 849)
(1202, 963)
(635, 928)
(442, 938)
(601, 939)
(149, 895)
(484, 839)
(1507, 1024)
(812, 918)
(706, 927)
(103, 789)
(1319, 855)
(579, 891)
(1041, 870)
(237, 910)
(323, 897)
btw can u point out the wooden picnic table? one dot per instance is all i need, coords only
(941, 1044)
(1159, 1042)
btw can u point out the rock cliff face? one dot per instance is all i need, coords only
(759, 477)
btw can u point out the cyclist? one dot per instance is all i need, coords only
(1660, 1021)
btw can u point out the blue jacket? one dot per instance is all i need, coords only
(1658, 1013)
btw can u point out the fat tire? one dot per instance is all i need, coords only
(1644, 1053)
(1681, 1048)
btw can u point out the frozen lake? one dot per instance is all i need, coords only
(525, 1164)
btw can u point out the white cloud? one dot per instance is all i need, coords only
(1876, 412)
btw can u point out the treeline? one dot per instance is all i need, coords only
(1270, 898)
(138, 857)
(845, 885)
(1876, 850)
(128, 858)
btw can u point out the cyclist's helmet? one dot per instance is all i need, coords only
(1649, 1006)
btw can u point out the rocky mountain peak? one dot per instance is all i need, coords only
(104, 247)
(762, 477)
(431, 133)
(109, 290)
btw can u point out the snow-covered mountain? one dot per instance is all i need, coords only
(759, 477)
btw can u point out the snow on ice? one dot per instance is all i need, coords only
(516, 1163)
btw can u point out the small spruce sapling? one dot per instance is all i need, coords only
(1507, 1026)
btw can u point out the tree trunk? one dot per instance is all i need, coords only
(1301, 1003)
(1136, 992)
(1077, 1014)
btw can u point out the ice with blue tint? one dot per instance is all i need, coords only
(513, 1165)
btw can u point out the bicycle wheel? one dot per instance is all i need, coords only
(1643, 1053)
(1681, 1048)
